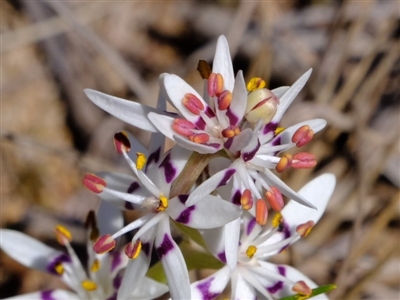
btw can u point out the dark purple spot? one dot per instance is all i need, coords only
(153, 157)
(200, 124)
(117, 281)
(146, 248)
(233, 119)
(51, 267)
(116, 260)
(132, 188)
(205, 289)
(169, 170)
(276, 141)
(270, 127)
(183, 198)
(165, 246)
(46, 295)
(113, 297)
(249, 155)
(250, 226)
(209, 112)
(228, 174)
(283, 227)
(228, 143)
(184, 217)
(236, 198)
(222, 257)
(214, 145)
(279, 285)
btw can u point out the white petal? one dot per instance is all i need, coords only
(290, 95)
(128, 111)
(208, 148)
(232, 234)
(223, 63)
(237, 107)
(241, 289)
(217, 180)
(173, 262)
(212, 286)
(28, 251)
(280, 91)
(163, 124)
(215, 241)
(45, 295)
(149, 289)
(241, 141)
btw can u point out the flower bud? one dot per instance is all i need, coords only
(262, 105)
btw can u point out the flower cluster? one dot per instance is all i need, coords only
(233, 131)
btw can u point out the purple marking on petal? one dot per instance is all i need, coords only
(250, 226)
(279, 285)
(183, 198)
(200, 124)
(249, 155)
(284, 227)
(209, 112)
(214, 145)
(165, 246)
(116, 260)
(236, 198)
(270, 127)
(184, 216)
(132, 188)
(169, 170)
(277, 141)
(146, 248)
(113, 297)
(233, 119)
(153, 157)
(222, 257)
(228, 143)
(117, 281)
(228, 175)
(57, 260)
(46, 295)
(204, 288)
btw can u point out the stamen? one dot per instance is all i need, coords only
(251, 250)
(204, 69)
(279, 130)
(256, 83)
(246, 200)
(121, 142)
(95, 266)
(215, 84)
(199, 138)
(89, 285)
(59, 268)
(275, 199)
(277, 220)
(284, 163)
(141, 160)
(94, 183)
(302, 136)
(224, 100)
(304, 160)
(63, 235)
(183, 127)
(230, 132)
(132, 249)
(304, 229)
(104, 244)
(302, 288)
(193, 104)
(261, 212)
(163, 203)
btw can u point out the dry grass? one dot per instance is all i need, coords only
(51, 134)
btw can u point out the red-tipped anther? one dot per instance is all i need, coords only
(246, 200)
(94, 183)
(199, 138)
(284, 163)
(304, 229)
(304, 160)
(302, 288)
(302, 136)
(63, 235)
(193, 104)
(275, 199)
(224, 100)
(132, 249)
(261, 212)
(183, 127)
(231, 131)
(121, 142)
(104, 244)
(215, 84)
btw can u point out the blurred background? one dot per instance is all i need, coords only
(51, 134)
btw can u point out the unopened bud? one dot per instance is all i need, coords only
(262, 105)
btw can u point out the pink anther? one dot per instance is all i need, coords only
(304, 229)
(224, 100)
(121, 142)
(304, 160)
(261, 212)
(231, 131)
(275, 199)
(104, 244)
(246, 200)
(302, 288)
(132, 249)
(284, 163)
(215, 84)
(302, 136)
(94, 183)
(199, 138)
(183, 127)
(193, 104)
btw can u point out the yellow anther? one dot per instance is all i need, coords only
(63, 234)
(89, 285)
(277, 220)
(59, 268)
(279, 130)
(251, 250)
(141, 160)
(163, 203)
(255, 83)
(95, 266)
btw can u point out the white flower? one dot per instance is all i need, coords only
(101, 279)
(254, 276)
